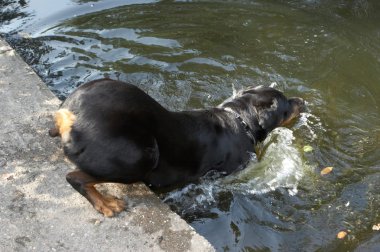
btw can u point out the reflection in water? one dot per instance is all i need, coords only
(192, 54)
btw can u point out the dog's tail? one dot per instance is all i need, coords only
(53, 132)
(64, 120)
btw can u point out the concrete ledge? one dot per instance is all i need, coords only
(39, 210)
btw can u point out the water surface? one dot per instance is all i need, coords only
(192, 54)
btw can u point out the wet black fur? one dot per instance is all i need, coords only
(122, 135)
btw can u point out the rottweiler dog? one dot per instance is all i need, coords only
(114, 132)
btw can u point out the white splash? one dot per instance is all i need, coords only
(311, 123)
(273, 85)
(281, 166)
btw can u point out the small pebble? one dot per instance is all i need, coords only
(3, 162)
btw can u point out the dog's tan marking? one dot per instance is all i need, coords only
(287, 121)
(64, 120)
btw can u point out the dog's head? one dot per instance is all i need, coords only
(272, 107)
(268, 105)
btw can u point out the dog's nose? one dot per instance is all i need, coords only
(299, 103)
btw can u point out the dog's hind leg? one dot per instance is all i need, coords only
(84, 184)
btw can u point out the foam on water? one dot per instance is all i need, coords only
(280, 166)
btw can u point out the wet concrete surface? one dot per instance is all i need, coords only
(39, 210)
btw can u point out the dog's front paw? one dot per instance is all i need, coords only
(109, 206)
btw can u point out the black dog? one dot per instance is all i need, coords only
(114, 132)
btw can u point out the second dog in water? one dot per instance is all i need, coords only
(114, 132)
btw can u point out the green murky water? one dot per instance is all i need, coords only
(190, 54)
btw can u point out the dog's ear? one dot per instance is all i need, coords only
(268, 116)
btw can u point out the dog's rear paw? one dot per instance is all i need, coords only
(109, 206)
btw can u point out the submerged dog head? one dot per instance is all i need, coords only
(269, 106)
